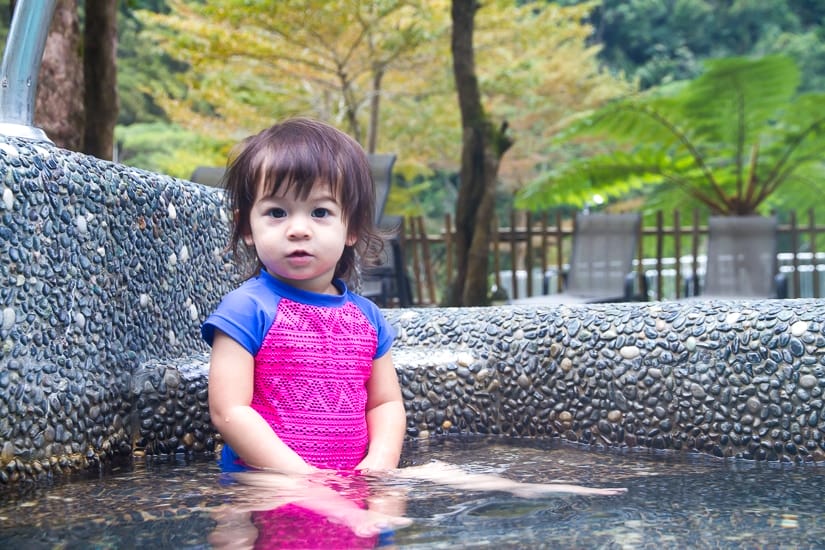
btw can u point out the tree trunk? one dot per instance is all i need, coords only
(375, 105)
(351, 107)
(100, 71)
(482, 148)
(58, 107)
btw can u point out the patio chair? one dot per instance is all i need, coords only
(211, 176)
(388, 280)
(741, 260)
(601, 263)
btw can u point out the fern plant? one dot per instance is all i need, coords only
(731, 140)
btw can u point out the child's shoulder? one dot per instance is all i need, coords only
(369, 308)
(365, 304)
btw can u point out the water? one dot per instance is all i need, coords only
(672, 502)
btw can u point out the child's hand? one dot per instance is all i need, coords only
(372, 464)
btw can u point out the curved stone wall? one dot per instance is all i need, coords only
(729, 379)
(102, 267)
(107, 271)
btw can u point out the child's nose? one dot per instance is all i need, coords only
(298, 227)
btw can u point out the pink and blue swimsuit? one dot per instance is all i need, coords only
(313, 356)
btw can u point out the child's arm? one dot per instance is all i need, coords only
(231, 372)
(386, 419)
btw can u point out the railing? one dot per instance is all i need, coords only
(20, 67)
(536, 247)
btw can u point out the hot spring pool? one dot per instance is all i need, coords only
(672, 501)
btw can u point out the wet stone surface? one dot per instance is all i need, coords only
(106, 273)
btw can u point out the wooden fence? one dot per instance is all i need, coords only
(529, 252)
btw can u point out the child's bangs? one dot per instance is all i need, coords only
(298, 170)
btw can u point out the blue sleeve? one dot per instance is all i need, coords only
(386, 333)
(244, 315)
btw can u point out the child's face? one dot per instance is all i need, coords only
(299, 241)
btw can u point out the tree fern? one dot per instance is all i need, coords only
(727, 140)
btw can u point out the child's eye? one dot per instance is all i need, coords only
(276, 213)
(320, 213)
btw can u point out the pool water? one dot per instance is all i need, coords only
(673, 501)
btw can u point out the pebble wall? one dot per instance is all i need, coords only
(107, 271)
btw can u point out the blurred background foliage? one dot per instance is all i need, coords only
(194, 77)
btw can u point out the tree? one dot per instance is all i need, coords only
(483, 145)
(100, 77)
(545, 73)
(368, 65)
(76, 103)
(59, 109)
(145, 70)
(255, 63)
(730, 140)
(659, 41)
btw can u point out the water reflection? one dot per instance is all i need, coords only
(348, 510)
(673, 501)
(319, 511)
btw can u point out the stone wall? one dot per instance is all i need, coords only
(728, 379)
(102, 268)
(107, 271)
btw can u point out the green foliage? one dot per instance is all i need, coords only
(147, 146)
(432, 196)
(5, 20)
(252, 63)
(660, 41)
(145, 71)
(379, 70)
(735, 140)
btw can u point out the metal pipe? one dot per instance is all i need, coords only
(21, 66)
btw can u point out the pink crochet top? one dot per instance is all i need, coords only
(313, 356)
(310, 381)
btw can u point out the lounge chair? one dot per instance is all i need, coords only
(389, 280)
(601, 263)
(741, 260)
(211, 176)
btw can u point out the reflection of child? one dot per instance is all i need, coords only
(330, 511)
(301, 377)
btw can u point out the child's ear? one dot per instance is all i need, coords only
(246, 232)
(351, 240)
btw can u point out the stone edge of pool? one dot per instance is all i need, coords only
(107, 272)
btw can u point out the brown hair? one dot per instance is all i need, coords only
(295, 155)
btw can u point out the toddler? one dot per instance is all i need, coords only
(301, 377)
